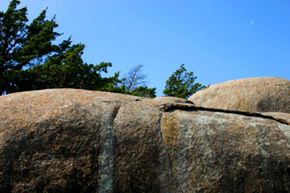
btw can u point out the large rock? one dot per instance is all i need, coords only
(67, 140)
(251, 94)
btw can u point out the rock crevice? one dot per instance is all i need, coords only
(191, 107)
(68, 140)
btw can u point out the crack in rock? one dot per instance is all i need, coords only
(191, 107)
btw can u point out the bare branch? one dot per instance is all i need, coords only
(134, 78)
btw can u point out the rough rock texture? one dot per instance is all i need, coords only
(251, 94)
(78, 141)
(280, 116)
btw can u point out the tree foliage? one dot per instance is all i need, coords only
(182, 84)
(30, 60)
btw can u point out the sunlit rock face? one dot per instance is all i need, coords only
(77, 141)
(251, 94)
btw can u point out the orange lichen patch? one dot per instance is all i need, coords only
(169, 129)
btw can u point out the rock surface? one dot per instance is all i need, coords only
(251, 94)
(77, 141)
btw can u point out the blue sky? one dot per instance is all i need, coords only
(218, 40)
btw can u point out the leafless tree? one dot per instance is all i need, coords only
(134, 78)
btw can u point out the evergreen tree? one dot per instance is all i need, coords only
(182, 84)
(29, 59)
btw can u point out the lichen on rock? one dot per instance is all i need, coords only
(70, 140)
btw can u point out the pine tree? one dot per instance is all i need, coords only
(29, 59)
(182, 84)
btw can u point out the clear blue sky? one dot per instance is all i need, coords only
(218, 40)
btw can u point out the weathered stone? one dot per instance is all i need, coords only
(251, 94)
(279, 116)
(224, 152)
(67, 140)
(56, 140)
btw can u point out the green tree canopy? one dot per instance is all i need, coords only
(30, 60)
(182, 84)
